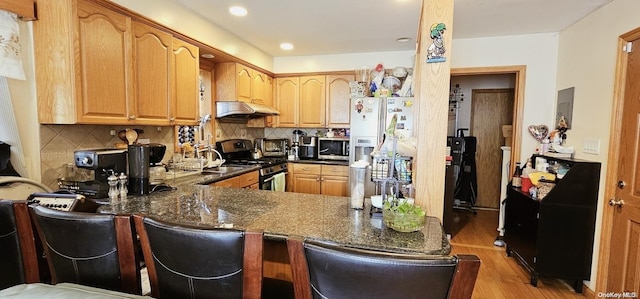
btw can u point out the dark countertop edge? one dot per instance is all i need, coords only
(446, 246)
(323, 162)
(206, 179)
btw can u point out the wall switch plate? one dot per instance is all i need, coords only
(243, 133)
(218, 133)
(112, 132)
(591, 146)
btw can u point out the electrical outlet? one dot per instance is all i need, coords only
(112, 132)
(591, 146)
(218, 133)
(243, 133)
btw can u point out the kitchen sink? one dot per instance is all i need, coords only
(222, 169)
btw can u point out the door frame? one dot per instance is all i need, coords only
(518, 99)
(602, 274)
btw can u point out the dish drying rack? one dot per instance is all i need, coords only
(391, 171)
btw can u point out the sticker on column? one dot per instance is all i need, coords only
(436, 51)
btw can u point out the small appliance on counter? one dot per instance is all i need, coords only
(308, 148)
(100, 163)
(295, 144)
(272, 147)
(333, 148)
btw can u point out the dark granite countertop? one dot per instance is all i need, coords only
(209, 176)
(281, 214)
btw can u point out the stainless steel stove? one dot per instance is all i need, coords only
(239, 152)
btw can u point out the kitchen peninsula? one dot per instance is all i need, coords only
(282, 214)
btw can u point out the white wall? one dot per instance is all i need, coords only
(587, 61)
(342, 62)
(178, 18)
(538, 52)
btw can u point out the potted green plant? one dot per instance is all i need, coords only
(402, 215)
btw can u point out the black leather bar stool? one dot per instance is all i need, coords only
(324, 270)
(89, 249)
(196, 262)
(17, 246)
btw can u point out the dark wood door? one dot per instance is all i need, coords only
(624, 258)
(490, 110)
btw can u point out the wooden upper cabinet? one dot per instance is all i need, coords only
(287, 95)
(97, 66)
(238, 82)
(233, 82)
(312, 102)
(105, 66)
(152, 61)
(338, 99)
(186, 82)
(23, 8)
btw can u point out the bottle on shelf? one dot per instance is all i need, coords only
(515, 179)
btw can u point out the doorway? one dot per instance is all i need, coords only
(619, 258)
(490, 110)
(517, 74)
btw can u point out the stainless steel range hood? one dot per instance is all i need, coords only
(242, 110)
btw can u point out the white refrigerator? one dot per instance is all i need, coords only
(369, 120)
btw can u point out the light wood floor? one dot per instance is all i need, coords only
(500, 276)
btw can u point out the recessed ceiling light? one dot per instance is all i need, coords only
(207, 55)
(238, 11)
(403, 39)
(286, 46)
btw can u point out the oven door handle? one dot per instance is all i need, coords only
(271, 178)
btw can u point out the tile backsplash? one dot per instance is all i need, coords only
(58, 142)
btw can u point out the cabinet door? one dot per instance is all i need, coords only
(338, 95)
(269, 121)
(306, 183)
(230, 183)
(248, 179)
(287, 94)
(244, 79)
(105, 67)
(186, 82)
(152, 66)
(259, 88)
(334, 185)
(312, 102)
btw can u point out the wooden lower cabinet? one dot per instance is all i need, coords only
(320, 179)
(334, 185)
(248, 180)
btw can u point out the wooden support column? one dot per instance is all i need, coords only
(432, 100)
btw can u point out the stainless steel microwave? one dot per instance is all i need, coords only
(333, 148)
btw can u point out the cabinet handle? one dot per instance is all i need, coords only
(618, 202)
(132, 117)
(172, 119)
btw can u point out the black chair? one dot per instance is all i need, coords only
(323, 270)
(196, 262)
(89, 249)
(18, 258)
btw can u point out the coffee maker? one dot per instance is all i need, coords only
(157, 171)
(100, 163)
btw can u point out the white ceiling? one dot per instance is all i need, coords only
(322, 27)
